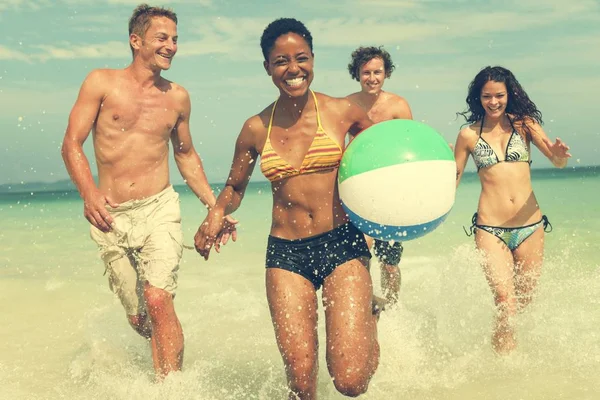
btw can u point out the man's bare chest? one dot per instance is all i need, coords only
(139, 114)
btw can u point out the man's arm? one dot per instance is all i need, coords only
(187, 159)
(359, 118)
(401, 109)
(81, 120)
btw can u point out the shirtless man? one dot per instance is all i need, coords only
(133, 211)
(371, 66)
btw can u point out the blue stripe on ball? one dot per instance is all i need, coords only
(391, 232)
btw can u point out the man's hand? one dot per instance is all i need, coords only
(94, 210)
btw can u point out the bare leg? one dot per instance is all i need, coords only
(369, 241)
(529, 257)
(155, 360)
(167, 335)
(141, 325)
(391, 278)
(387, 254)
(293, 304)
(499, 272)
(378, 303)
(352, 347)
(124, 282)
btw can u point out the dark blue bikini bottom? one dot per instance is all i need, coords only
(316, 257)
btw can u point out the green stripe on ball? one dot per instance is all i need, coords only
(390, 143)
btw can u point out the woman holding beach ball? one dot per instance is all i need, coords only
(299, 139)
(508, 225)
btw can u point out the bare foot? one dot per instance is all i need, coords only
(503, 341)
(378, 305)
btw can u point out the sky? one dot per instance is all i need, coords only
(47, 48)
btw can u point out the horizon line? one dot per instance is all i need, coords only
(66, 185)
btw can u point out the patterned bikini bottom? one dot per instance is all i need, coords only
(512, 237)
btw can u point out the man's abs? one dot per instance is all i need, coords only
(131, 166)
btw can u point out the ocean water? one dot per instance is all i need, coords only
(63, 335)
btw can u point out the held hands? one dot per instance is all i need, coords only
(94, 210)
(214, 231)
(229, 230)
(559, 150)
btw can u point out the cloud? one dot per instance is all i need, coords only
(36, 98)
(40, 4)
(573, 87)
(13, 55)
(434, 32)
(205, 3)
(68, 51)
(230, 37)
(374, 8)
(24, 4)
(412, 27)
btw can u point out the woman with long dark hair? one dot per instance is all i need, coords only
(508, 225)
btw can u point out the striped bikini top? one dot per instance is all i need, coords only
(323, 154)
(485, 156)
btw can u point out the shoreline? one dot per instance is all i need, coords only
(65, 186)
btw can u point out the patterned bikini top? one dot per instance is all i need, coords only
(485, 156)
(323, 154)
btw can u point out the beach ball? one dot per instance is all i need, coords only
(397, 180)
